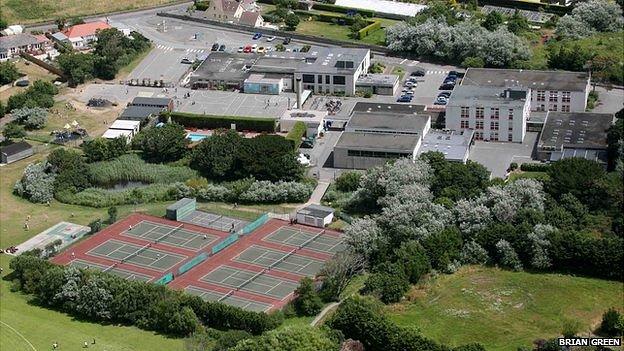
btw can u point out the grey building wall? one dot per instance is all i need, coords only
(18, 156)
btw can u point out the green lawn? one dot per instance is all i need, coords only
(504, 310)
(41, 327)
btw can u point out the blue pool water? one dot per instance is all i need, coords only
(196, 137)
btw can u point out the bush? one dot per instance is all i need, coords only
(130, 167)
(8, 72)
(162, 144)
(31, 118)
(39, 94)
(513, 166)
(202, 5)
(364, 32)
(37, 183)
(389, 283)
(307, 301)
(612, 324)
(13, 130)
(215, 122)
(96, 197)
(266, 192)
(534, 167)
(348, 181)
(473, 62)
(101, 149)
(297, 133)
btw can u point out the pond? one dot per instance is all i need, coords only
(125, 185)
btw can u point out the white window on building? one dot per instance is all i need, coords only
(541, 95)
(465, 112)
(552, 107)
(494, 113)
(494, 125)
(565, 96)
(565, 108)
(553, 96)
(479, 112)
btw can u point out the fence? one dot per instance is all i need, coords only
(44, 65)
(192, 263)
(255, 224)
(165, 279)
(232, 238)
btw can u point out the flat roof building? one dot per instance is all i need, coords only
(140, 113)
(222, 69)
(313, 120)
(358, 150)
(454, 145)
(581, 134)
(160, 102)
(115, 133)
(550, 90)
(378, 122)
(15, 152)
(315, 215)
(382, 84)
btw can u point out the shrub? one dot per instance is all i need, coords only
(389, 283)
(163, 144)
(131, 167)
(266, 192)
(96, 197)
(342, 9)
(8, 72)
(31, 118)
(101, 149)
(348, 181)
(612, 323)
(13, 130)
(215, 121)
(307, 301)
(364, 32)
(513, 166)
(297, 133)
(534, 167)
(37, 183)
(508, 256)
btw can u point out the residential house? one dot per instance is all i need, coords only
(81, 35)
(245, 12)
(12, 45)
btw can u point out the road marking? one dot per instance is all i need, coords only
(19, 334)
(402, 61)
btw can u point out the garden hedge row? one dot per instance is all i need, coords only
(534, 167)
(326, 17)
(255, 124)
(364, 32)
(296, 133)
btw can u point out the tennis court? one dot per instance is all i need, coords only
(259, 283)
(143, 256)
(279, 260)
(214, 221)
(170, 235)
(210, 295)
(128, 275)
(310, 240)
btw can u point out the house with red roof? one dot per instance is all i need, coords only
(81, 35)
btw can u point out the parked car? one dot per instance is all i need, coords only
(215, 47)
(453, 74)
(247, 49)
(254, 48)
(418, 72)
(447, 86)
(410, 84)
(413, 80)
(24, 83)
(286, 41)
(240, 49)
(405, 98)
(308, 143)
(257, 36)
(410, 92)
(440, 100)
(222, 47)
(186, 61)
(261, 50)
(269, 49)
(446, 94)
(270, 39)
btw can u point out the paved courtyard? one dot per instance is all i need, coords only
(497, 156)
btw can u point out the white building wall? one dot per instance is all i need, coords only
(555, 100)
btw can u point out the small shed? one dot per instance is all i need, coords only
(16, 152)
(181, 208)
(315, 215)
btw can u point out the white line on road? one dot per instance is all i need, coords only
(402, 61)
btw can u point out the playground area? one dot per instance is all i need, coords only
(257, 267)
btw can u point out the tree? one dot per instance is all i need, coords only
(473, 62)
(36, 183)
(112, 214)
(304, 338)
(2, 109)
(3, 24)
(307, 302)
(473, 253)
(73, 174)
(568, 56)
(348, 181)
(612, 324)
(217, 157)
(388, 283)
(8, 72)
(270, 157)
(363, 237)
(508, 256)
(492, 21)
(578, 177)
(615, 142)
(291, 21)
(413, 258)
(163, 144)
(228, 339)
(60, 23)
(78, 67)
(518, 24)
(358, 23)
(31, 118)
(337, 273)
(102, 149)
(13, 130)
(601, 15)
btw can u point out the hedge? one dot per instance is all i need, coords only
(255, 124)
(296, 133)
(534, 167)
(202, 5)
(342, 9)
(326, 17)
(364, 32)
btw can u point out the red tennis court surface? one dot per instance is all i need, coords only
(259, 272)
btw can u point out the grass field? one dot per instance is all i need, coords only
(32, 71)
(20, 11)
(503, 310)
(41, 327)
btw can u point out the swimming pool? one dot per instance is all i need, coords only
(196, 137)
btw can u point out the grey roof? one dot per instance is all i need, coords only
(17, 40)
(468, 95)
(378, 142)
(538, 80)
(15, 148)
(181, 203)
(388, 80)
(153, 101)
(454, 145)
(394, 108)
(389, 122)
(60, 36)
(316, 211)
(224, 66)
(578, 130)
(317, 60)
(139, 113)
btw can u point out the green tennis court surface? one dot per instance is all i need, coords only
(170, 235)
(245, 304)
(279, 260)
(258, 283)
(138, 255)
(214, 221)
(128, 275)
(310, 240)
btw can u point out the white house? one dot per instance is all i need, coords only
(315, 215)
(81, 35)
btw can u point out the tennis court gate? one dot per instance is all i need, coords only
(181, 208)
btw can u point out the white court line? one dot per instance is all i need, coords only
(20, 335)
